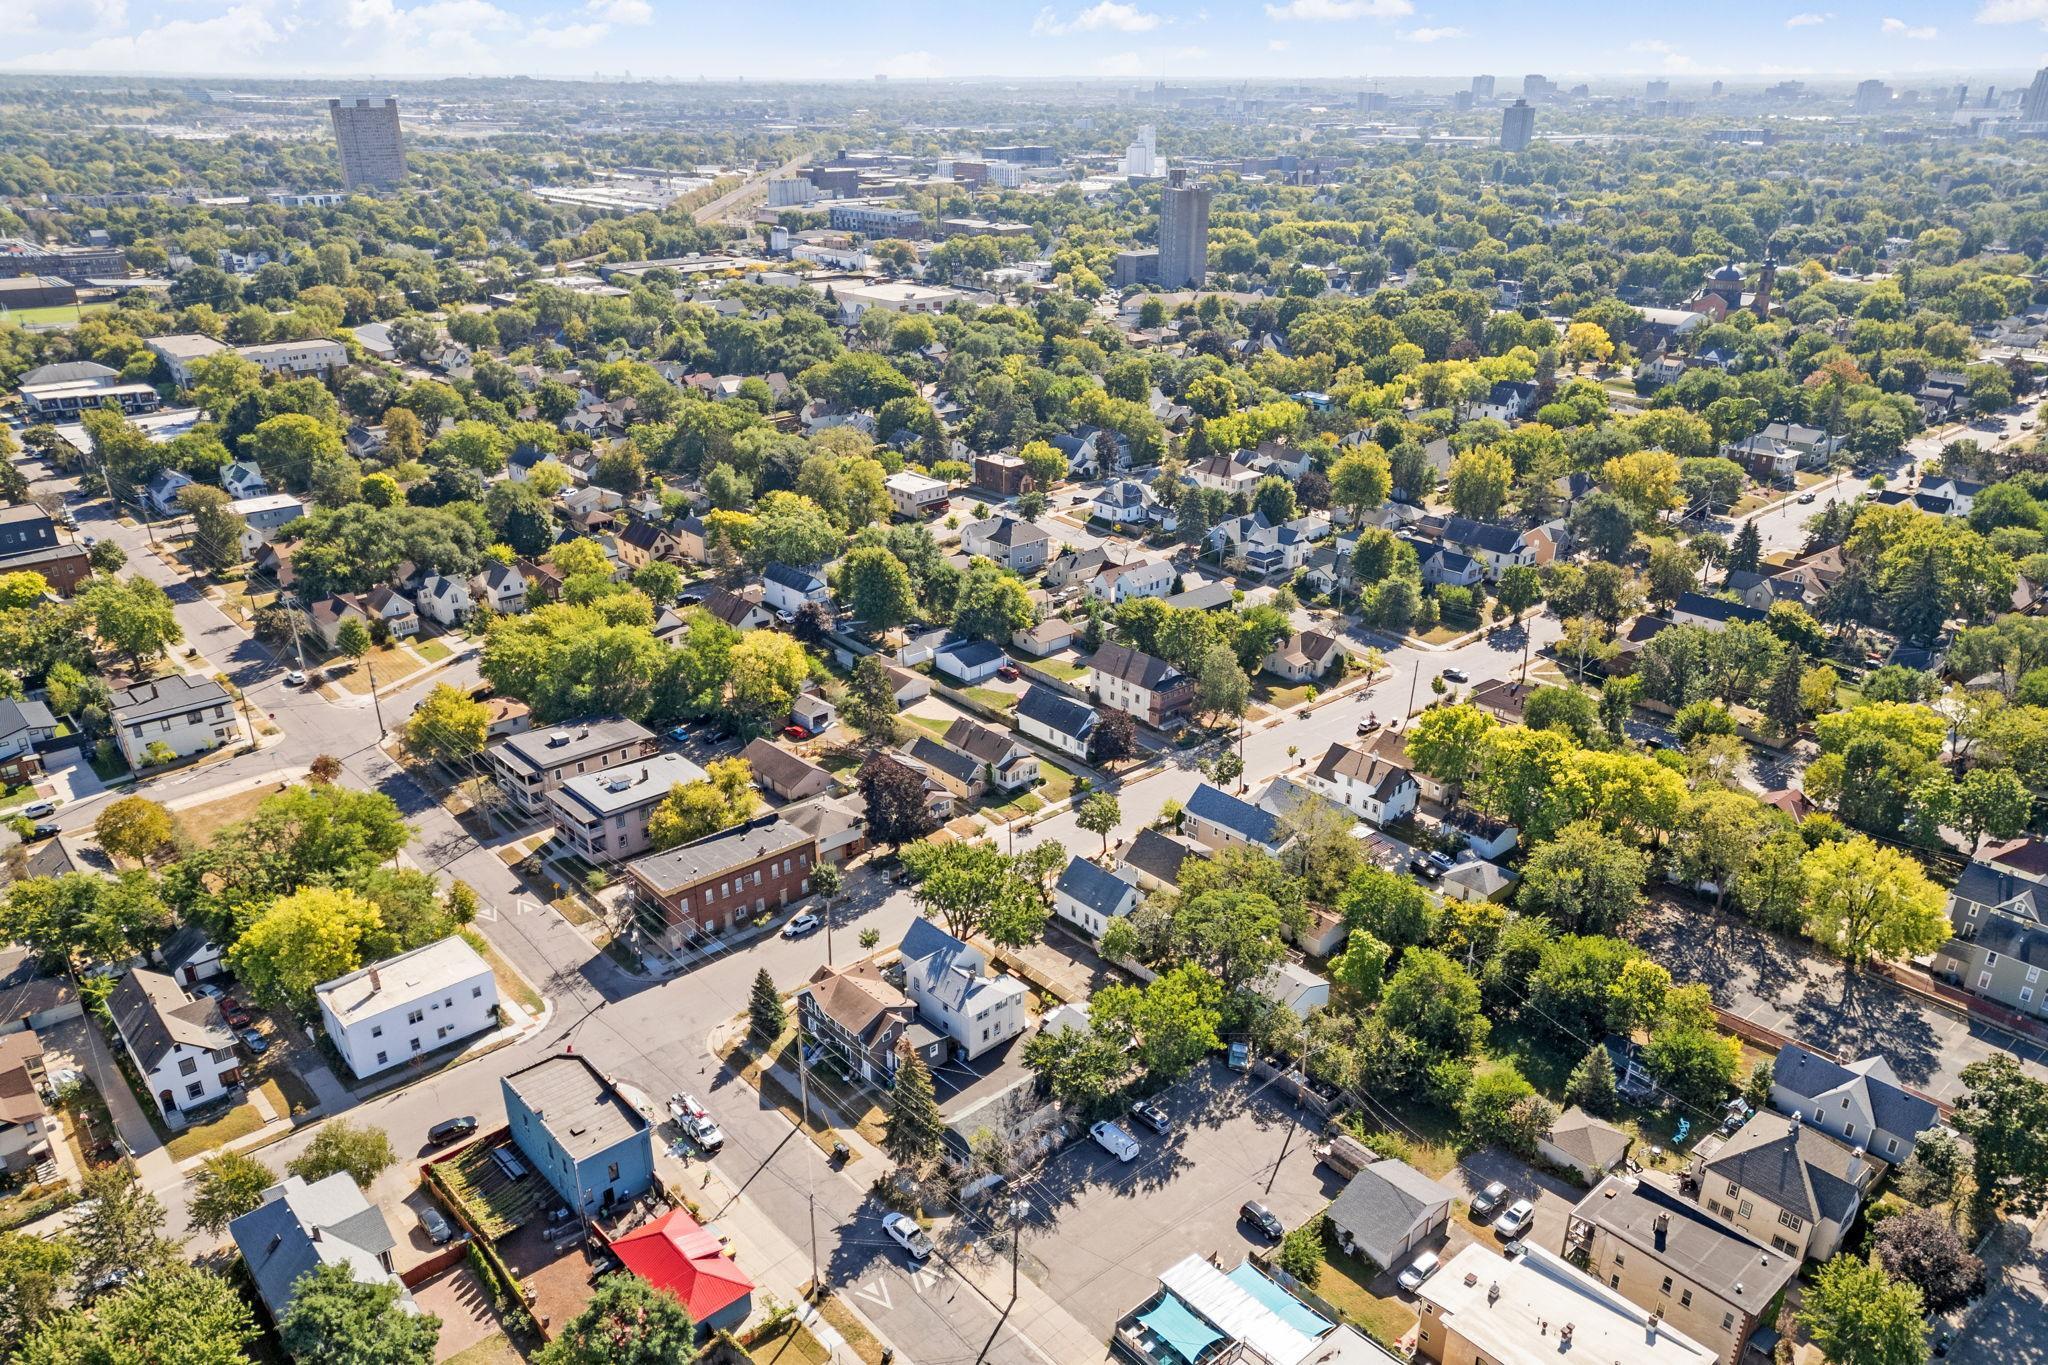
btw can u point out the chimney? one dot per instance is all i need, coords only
(1663, 1226)
(314, 1234)
(1857, 1166)
(376, 981)
(1797, 1118)
(1656, 1321)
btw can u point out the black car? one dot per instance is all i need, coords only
(1152, 1116)
(1424, 868)
(1262, 1218)
(44, 832)
(1489, 1201)
(451, 1130)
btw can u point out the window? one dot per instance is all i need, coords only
(1848, 1130)
(1685, 1299)
(2026, 995)
(1733, 1189)
(376, 1030)
(476, 992)
(415, 1045)
(1618, 1259)
(1983, 980)
(613, 1170)
(1666, 1288)
(194, 1090)
(188, 1067)
(1790, 1220)
(1614, 1281)
(382, 1058)
(1727, 1322)
(1747, 1208)
(1781, 1244)
(1891, 1147)
(414, 1016)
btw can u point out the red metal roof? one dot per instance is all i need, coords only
(676, 1253)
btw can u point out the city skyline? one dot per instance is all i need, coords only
(1120, 40)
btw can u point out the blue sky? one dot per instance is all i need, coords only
(1115, 39)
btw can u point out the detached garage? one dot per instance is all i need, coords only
(1388, 1211)
(969, 660)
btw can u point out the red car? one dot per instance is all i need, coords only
(795, 733)
(1008, 673)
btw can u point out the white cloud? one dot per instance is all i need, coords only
(1276, 45)
(622, 11)
(68, 16)
(244, 32)
(566, 37)
(1325, 11)
(1110, 15)
(1899, 28)
(918, 63)
(2014, 12)
(1808, 20)
(1431, 35)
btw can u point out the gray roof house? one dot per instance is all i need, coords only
(1089, 897)
(1785, 1182)
(300, 1227)
(1154, 860)
(1860, 1102)
(948, 981)
(1388, 1210)
(1584, 1144)
(1216, 818)
(2000, 948)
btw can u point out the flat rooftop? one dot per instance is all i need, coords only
(582, 1111)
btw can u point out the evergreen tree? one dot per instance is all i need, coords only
(764, 1008)
(1745, 552)
(1782, 705)
(911, 1136)
(1591, 1086)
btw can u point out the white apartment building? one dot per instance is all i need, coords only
(294, 358)
(392, 1011)
(185, 712)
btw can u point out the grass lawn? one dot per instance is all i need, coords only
(203, 821)
(108, 768)
(1063, 669)
(1015, 806)
(1546, 1065)
(1434, 1153)
(852, 1328)
(866, 1116)
(991, 698)
(790, 1342)
(1283, 698)
(1058, 784)
(497, 1350)
(510, 982)
(237, 1122)
(574, 910)
(242, 601)
(1343, 1285)
(936, 726)
(433, 651)
(56, 313)
(390, 664)
(1437, 635)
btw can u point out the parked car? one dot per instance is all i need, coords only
(803, 924)
(679, 733)
(1368, 725)
(1424, 868)
(295, 678)
(207, 989)
(44, 832)
(1420, 1269)
(1489, 1201)
(1456, 675)
(1805, 498)
(1008, 673)
(438, 1229)
(1519, 1218)
(1112, 1138)
(796, 734)
(254, 1041)
(904, 1232)
(36, 810)
(451, 1130)
(1262, 1218)
(236, 1016)
(1240, 1057)
(1152, 1116)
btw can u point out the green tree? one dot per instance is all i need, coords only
(35, 1273)
(363, 1151)
(1481, 479)
(627, 1322)
(765, 1014)
(1448, 742)
(1857, 1314)
(449, 725)
(972, 888)
(1865, 901)
(216, 531)
(132, 615)
(1434, 1001)
(1221, 687)
(768, 670)
(170, 1313)
(876, 587)
(991, 604)
(1100, 814)
(2004, 1114)
(120, 1226)
(1592, 1084)
(1171, 1022)
(303, 939)
(352, 637)
(135, 827)
(1301, 1251)
(1360, 480)
(226, 1186)
(1391, 908)
(913, 1131)
(334, 1317)
(1584, 880)
(870, 704)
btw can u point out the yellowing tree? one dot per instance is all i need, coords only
(1865, 902)
(693, 810)
(449, 725)
(303, 939)
(767, 671)
(1587, 343)
(1480, 480)
(1646, 480)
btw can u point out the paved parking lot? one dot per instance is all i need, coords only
(1101, 1231)
(1554, 1198)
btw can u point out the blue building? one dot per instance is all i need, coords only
(579, 1133)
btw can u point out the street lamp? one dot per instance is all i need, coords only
(1018, 1208)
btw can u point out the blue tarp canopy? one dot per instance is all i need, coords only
(1175, 1324)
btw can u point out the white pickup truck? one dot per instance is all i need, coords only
(1113, 1138)
(696, 1123)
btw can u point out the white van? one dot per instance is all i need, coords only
(1112, 1138)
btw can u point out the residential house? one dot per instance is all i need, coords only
(969, 661)
(1441, 565)
(26, 1128)
(1498, 548)
(1293, 987)
(642, 543)
(1388, 744)
(918, 496)
(191, 956)
(531, 765)
(603, 816)
(23, 726)
(1012, 763)
(184, 712)
(1002, 475)
(1303, 657)
(955, 995)
(1860, 1102)
(938, 790)
(1060, 721)
(1387, 1211)
(838, 826)
(1476, 879)
(960, 776)
(299, 1227)
(784, 774)
(1017, 545)
(1699, 1273)
(394, 610)
(1153, 861)
(579, 1134)
(1959, 494)
(1482, 1306)
(813, 712)
(1149, 689)
(402, 1007)
(1366, 782)
(179, 1044)
(1265, 547)
(1218, 820)
(1048, 637)
(161, 492)
(2000, 917)
(1784, 1181)
(1119, 583)
(1088, 897)
(1714, 613)
(1226, 474)
(25, 529)
(263, 517)
(327, 614)
(743, 610)
(786, 589)
(1816, 448)
(243, 479)
(1577, 1141)
(709, 887)
(501, 587)
(1130, 503)
(863, 1022)
(1094, 451)
(445, 601)
(689, 538)
(1215, 596)
(678, 1256)
(1509, 400)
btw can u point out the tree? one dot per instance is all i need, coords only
(132, 615)
(1646, 481)
(876, 587)
(1992, 802)
(1100, 814)
(1391, 908)
(894, 798)
(1920, 1248)
(870, 702)
(1481, 479)
(35, 1272)
(1584, 880)
(135, 827)
(361, 1150)
(1745, 551)
(305, 938)
(1221, 687)
(1115, 738)
(226, 1186)
(1500, 1106)
(627, 1322)
(913, 1132)
(991, 604)
(693, 810)
(1448, 742)
(765, 1014)
(1274, 500)
(449, 726)
(1301, 1251)
(1171, 1022)
(172, 1313)
(1858, 1314)
(1689, 1055)
(334, 1317)
(1434, 1001)
(1361, 967)
(1865, 901)
(768, 670)
(1359, 480)
(972, 888)
(1592, 1085)
(1082, 1068)
(216, 531)
(120, 1226)
(2004, 1114)
(352, 637)
(1935, 1173)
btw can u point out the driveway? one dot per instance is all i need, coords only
(1790, 987)
(2006, 1328)
(1101, 1231)
(70, 776)
(1554, 1198)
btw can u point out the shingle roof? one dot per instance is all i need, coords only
(1386, 1199)
(1063, 715)
(797, 580)
(1487, 535)
(1587, 1140)
(1894, 1109)
(156, 1017)
(168, 696)
(1134, 667)
(1099, 890)
(278, 1238)
(1158, 855)
(1714, 608)
(1218, 807)
(1704, 1249)
(1792, 1164)
(956, 765)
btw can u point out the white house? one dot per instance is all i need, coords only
(291, 358)
(1363, 781)
(263, 516)
(970, 661)
(1508, 401)
(179, 1044)
(184, 712)
(445, 601)
(787, 589)
(500, 587)
(1120, 583)
(403, 1007)
(1062, 722)
(1088, 897)
(243, 479)
(1130, 503)
(915, 495)
(1294, 986)
(394, 609)
(948, 982)
(162, 492)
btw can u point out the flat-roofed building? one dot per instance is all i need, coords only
(531, 765)
(405, 1006)
(706, 888)
(604, 816)
(1534, 1309)
(372, 148)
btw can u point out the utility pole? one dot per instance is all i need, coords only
(803, 1085)
(1018, 1208)
(375, 700)
(1293, 1122)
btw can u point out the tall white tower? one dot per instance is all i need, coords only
(1141, 158)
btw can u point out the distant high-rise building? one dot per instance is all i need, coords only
(1517, 126)
(1141, 158)
(2034, 104)
(372, 149)
(1461, 100)
(1482, 87)
(1183, 232)
(1535, 87)
(1962, 95)
(1718, 88)
(1656, 90)
(1872, 97)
